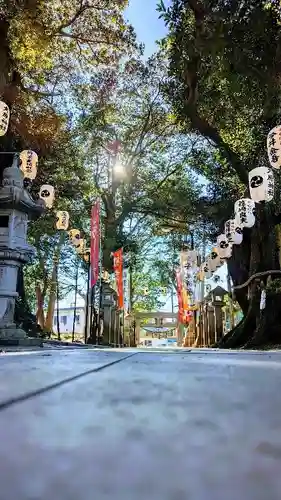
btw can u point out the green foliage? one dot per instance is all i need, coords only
(273, 287)
(47, 37)
(224, 86)
(147, 291)
(48, 50)
(156, 183)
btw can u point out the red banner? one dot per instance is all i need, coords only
(179, 294)
(118, 269)
(95, 242)
(184, 314)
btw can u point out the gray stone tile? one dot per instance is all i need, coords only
(165, 427)
(21, 373)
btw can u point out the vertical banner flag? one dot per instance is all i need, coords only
(126, 289)
(179, 294)
(95, 242)
(118, 269)
(184, 314)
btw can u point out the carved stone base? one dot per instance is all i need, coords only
(27, 342)
(11, 332)
(14, 336)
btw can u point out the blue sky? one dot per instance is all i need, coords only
(143, 16)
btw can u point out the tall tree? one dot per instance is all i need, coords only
(48, 49)
(138, 159)
(224, 68)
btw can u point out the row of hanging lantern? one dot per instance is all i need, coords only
(244, 217)
(28, 159)
(28, 166)
(261, 188)
(75, 235)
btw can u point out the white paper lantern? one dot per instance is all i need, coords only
(224, 247)
(62, 220)
(28, 166)
(244, 212)
(274, 147)
(47, 193)
(80, 246)
(75, 237)
(206, 270)
(4, 118)
(233, 232)
(214, 260)
(261, 184)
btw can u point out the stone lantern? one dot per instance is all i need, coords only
(16, 207)
(214, 302)
(108, 305)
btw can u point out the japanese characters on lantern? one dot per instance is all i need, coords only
(28, 164)
(233, 232)
(274, 147)
(62, 222)
(261, 184)
(4, 118)
(244, 212)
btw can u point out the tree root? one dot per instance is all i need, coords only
(258, 328)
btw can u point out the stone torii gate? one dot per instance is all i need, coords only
(159, 320)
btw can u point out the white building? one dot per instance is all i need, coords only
(66, 319)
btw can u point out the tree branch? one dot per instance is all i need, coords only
(190, 76)
(82, 8)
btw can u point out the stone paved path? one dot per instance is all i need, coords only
(130, 425)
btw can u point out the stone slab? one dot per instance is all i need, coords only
(24, 372)
(22, 342)
(165, 427)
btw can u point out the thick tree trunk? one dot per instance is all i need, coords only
(52, 300)
(40, 316)
(257, 328)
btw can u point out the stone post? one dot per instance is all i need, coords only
(16, 205)
(108, 303)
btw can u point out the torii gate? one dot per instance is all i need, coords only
(158, 317)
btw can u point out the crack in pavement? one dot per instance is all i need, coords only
(29, 395)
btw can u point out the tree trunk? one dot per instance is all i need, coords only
(257, 328)
(52, 300)
(40, 315)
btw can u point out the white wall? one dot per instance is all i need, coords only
(66, 320)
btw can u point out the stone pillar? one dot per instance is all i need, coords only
(15, 206)
(107, 325)
(9, 267)
(114, 326)
(108, 304)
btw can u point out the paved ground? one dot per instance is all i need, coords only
(122, 425)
